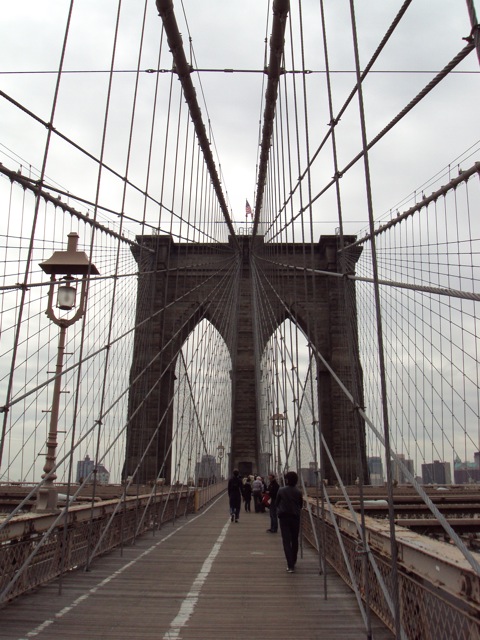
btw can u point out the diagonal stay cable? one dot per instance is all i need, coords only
(59, 462)
(416, 100)
(433, 508)
(51, 129)
(5, 407)
(335, 120)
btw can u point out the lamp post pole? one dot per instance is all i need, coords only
(220, 454)
(279, 461)
(278, 429)
(47, 494)
(66, 263)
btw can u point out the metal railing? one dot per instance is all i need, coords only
(36, 548)
(439, 591)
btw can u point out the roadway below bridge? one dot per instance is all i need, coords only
(460, 504)
(202, 577)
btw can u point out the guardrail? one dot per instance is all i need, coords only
(439, 591)
(36, 548)
(206, 494)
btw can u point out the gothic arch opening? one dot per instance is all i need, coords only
(288, 412)
(201, 429)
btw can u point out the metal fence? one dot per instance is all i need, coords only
(446, 607)
(36, 548)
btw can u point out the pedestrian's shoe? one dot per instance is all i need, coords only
(290, 570)
(270, 531)
(236, 520)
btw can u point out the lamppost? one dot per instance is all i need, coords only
(220, 454)
(278, 429)
(66, 264)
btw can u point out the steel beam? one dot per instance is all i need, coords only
(440, 564)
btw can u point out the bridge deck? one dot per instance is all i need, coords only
(203, 577)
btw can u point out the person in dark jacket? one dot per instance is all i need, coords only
(247, 494)
(272, 491)
(289, 504)
(235, 495)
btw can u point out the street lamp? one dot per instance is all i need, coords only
(67, 264)
(220, 454)
(278, 430)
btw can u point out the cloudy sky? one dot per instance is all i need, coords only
(232, 35)
(423, 151)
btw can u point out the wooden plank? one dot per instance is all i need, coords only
(244, 590)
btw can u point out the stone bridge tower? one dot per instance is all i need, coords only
(196, 277)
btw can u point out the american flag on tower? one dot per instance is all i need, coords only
(248, 209)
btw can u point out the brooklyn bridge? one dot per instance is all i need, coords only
(239, 236)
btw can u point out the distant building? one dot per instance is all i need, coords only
(308, 474)
(375, 469)
(436, 473)
(207, 471)
(103, 476)
(467, 472)
(398, 472)
(85, 469)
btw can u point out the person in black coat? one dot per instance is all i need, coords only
(289, 505)
(235, 495)
(247, 494)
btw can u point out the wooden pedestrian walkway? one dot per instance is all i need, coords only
(200, 578)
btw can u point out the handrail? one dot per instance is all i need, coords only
(433, 575)
(27, 563)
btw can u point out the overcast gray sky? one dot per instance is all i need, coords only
(232, 35)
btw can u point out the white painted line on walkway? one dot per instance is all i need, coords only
(188, 605)
(37, 630)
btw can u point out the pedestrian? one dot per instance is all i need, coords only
(289, 505)
(247, 494)
(263, 502)
(272, 491)
(257, 490)
(235, 495)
